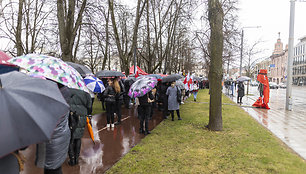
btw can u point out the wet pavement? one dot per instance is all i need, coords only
(288, 126)
(111, 144)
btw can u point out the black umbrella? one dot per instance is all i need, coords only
(83, 70)
(109, 73)
(30, 110)
(172, 78)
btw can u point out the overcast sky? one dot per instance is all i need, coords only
(273, 17)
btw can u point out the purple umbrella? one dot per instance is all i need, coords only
(142, 86)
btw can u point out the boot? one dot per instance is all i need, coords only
(147, 132)
(71, 162)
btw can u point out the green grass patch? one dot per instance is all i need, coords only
(97, 107)
(244, 146)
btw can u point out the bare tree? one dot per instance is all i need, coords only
(28, 31)
(125, 54)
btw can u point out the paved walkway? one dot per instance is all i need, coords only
(288, 126)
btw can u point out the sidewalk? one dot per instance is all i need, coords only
(288, 126)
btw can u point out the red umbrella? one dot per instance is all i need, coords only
(4, 58)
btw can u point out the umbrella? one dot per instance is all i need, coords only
(142, 86)
(109, 73)
(180, 84)
(94, 84)
(157, 76)
(4, 59)
(83, 70)
(172, 78)
(90, 129)
(52, 68)
(30, 110)
(243, 78)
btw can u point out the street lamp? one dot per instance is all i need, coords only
(241, 47)
(290, 57)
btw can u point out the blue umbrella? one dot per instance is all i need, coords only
(94, 84)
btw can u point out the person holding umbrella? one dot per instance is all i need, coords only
(142, 89)
(240, 92)
(80, 107)
(110, 99)
(174, 95)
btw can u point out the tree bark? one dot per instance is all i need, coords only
(215, 74)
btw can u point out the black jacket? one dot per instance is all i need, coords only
(144, 99)
(109, 94)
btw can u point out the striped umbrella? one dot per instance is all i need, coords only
(94, 84)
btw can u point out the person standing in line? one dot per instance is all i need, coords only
(195, 90)
(110, 100)
(119, 88)
(145, 104)
(51, 154)
(240, 92)
(80, 107)
(173, 93)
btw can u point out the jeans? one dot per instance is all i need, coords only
(195, 93)
(110, 110)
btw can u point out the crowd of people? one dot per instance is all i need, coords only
(66, 138)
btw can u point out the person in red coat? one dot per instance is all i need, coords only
(264, 83)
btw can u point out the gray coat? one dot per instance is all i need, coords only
(9, 164)
(53, 153)
(172, 99)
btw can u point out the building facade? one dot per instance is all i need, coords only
(299, 63)
(279, 59)
(265, 64)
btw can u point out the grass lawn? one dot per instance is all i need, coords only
(97, 107)
(244, 146)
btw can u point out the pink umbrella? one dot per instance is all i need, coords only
(4, 58)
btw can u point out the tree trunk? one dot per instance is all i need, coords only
(215, 74)
(18, 30)
(67, 27)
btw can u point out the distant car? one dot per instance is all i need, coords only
(273, 85)
(254, 83)
(282, 85)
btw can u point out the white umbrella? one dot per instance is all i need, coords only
(243, 78)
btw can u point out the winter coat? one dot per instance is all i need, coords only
(109, 95)
(9, 164)
(195, 87)
(172, 98)
(143, 101)
(80, 103)
(119, 96)
(162, 91)
(53, 153)
(240, 89)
